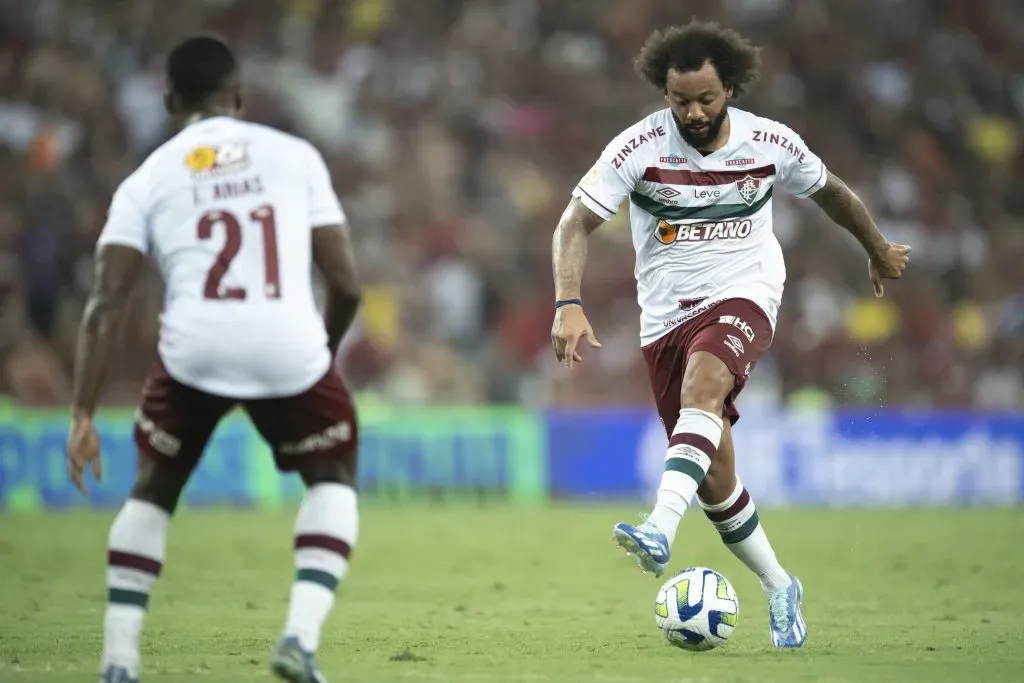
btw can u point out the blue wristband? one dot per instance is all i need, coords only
(568, 302)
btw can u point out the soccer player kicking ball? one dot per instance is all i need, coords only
(235, 215)
(700, 177)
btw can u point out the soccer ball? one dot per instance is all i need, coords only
(697, 609)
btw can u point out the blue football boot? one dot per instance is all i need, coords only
(293, 664)
(646, 542)
(785, 621)
(117, 674)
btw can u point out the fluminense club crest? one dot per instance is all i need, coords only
(748, 188)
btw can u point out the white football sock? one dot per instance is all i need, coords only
(694, 442)
(325, 533)
(737, 522)
(135, 557)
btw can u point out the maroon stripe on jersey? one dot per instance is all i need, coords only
(730, 511)
(696, 440)
(115, 558)
(680, 176)
(335, 545)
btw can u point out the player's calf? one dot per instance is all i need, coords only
(134, 560)
(737, 522)
(720, 481)
(325, 533)
(739, 525)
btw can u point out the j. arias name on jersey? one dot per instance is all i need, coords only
(667, 233)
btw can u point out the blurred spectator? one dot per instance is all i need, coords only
(455, 130)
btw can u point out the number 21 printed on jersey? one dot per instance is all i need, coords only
(264, 215)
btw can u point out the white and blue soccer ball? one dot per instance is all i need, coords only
(697, 609)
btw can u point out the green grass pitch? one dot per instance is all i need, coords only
(495, 594)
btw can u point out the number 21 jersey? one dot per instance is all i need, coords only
(227, 209)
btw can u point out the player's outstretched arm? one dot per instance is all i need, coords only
(334, 256)
(842, 205)
(568, 259)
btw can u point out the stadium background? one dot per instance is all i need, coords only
(455, 130)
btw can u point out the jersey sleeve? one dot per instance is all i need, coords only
(128, 217)
(608, 182)
(801, 173)
(324, 206)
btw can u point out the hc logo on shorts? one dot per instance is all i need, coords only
(739, 324)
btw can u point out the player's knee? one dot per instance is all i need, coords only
(329, 471)
(704, 394)
(706, 383)
(158, 485)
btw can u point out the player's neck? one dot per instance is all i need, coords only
(723, 136)
(213, 112)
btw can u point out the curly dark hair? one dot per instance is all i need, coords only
(686, 48)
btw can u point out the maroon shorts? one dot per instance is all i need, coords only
(175, 421)
(735, 331)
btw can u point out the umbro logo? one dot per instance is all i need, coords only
(734, 344)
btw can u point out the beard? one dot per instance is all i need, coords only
(706, 136)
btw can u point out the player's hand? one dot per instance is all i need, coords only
(569, 328)
(889, 265)
(83, 447)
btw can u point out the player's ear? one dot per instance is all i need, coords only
(170, 102)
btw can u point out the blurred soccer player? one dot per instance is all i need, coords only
(235, 215)
(700, 176)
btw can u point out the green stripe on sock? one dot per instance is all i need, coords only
(118, 596)
(687, 467)
(744, 531)
(326, 580)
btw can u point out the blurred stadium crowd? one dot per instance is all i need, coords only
(455, 130)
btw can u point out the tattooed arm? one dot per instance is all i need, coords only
(846, 209)
(569, 248)
(885, 259)
(568, 258)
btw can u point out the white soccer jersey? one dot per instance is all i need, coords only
(702, 224)
(227, 209)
